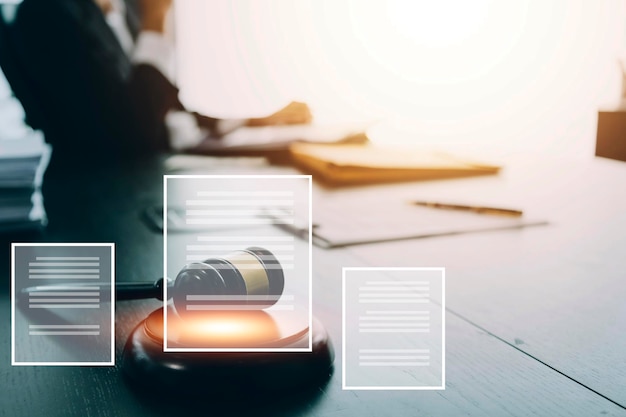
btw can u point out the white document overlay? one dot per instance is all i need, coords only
(393, 329)
(229, 213)
(62, 300)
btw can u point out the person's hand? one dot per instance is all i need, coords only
(105, 5)
(153, 14)
(293, 113)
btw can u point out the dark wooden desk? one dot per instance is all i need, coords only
(520, 304)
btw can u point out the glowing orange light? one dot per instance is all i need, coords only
(227, 328)
(221, 327)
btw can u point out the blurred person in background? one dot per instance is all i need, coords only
(103, 71)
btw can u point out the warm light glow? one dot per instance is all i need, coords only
(224, 329)
(436, 23)
(524, 74)
(221, 327)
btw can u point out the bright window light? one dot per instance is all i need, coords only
(436, 23)
(525, 73)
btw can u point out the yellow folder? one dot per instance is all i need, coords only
(363, 164)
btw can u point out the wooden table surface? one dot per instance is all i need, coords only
(535, 321)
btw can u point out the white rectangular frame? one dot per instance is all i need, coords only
(309, 348)
(343, 330)
(112, 295)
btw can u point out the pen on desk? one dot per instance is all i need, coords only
(476, 209)
(301, 232)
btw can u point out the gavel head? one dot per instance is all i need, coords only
(250, 279)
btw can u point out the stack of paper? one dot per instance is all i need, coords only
(22, 164)
(359, 164)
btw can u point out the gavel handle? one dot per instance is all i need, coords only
(123, 290)
(141, 290)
